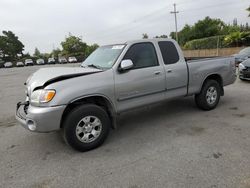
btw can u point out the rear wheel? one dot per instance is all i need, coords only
(209, 96)
(86, 127)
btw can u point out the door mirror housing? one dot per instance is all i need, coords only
(126, 65)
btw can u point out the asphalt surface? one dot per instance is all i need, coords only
(172, 144)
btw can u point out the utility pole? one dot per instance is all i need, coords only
(175, 16)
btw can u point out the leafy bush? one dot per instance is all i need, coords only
(234, 39)
(205, 43)
(238, 39)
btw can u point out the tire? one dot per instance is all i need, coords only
(86, 127)
(207, 99)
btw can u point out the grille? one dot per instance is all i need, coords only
(247, 70)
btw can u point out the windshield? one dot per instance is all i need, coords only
(245, 51)
(104, 57)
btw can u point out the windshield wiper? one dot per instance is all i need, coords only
(94, 66)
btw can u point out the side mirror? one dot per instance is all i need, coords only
(126, 65)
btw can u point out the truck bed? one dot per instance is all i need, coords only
(195, 59)
(200, 68)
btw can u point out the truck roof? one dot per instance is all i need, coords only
(150, 40)
(142, 40)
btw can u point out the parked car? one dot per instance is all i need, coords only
(40, 62)
(28, 62)
(8, 65)
(242, 55)
(244, 70)
(51, 60)
(19, 64)
(62, 60)
(72, 60)
(85, 102)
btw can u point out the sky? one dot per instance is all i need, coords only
(45, 23)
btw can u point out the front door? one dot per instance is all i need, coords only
(144, 83)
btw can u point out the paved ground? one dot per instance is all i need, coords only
(169, 145)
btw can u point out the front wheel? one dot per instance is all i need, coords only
(209, 96)
(86, 127)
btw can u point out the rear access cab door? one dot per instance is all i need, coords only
(175, 67)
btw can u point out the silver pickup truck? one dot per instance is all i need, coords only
(85, 102)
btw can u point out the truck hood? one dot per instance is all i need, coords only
(47, 76)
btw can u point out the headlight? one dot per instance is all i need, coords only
(42, 96)
(241, 66)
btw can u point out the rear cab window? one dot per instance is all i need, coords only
(169, 52)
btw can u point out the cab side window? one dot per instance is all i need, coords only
(142, 55)
(169, 52)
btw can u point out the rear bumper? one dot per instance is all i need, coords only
(39, 119)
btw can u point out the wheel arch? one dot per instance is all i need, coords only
(97, 99)
(217, 77)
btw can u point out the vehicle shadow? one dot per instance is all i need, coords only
(134, 126)
(245, 81)
(157, 117)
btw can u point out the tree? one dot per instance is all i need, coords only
(248, 9)
(145, 36)
(10, 45)
(235, 22)
(2, 46)
(246, 27)
(1, 63)
(205, 28)
(45, 55)
(238, 39)
(56, 52)
(186, 34)
(161, 36)
(91, 48)
(73, 46)
(27, 55)
(37, 53)
(208, 27)
(234, 39)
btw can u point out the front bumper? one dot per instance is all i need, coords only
(245, 74)
(39, 119)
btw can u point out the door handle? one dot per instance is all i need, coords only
(157, 72)
(169, 70)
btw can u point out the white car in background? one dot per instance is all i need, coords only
(19, 64)
(62, 60)
(28, 62)
(8, 65)
(72, 59)
(40, 62)
(51, 60)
